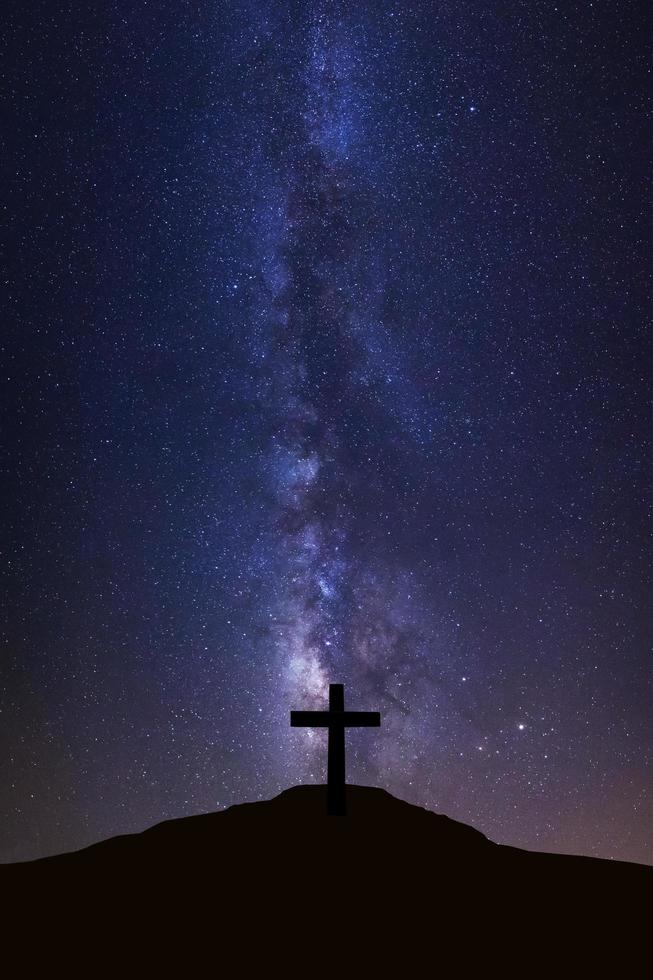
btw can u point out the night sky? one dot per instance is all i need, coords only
(323, 359)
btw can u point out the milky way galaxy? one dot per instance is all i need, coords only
(325, 365)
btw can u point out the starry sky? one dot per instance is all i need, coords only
(323, 359)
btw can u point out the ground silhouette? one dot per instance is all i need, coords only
(277, 883)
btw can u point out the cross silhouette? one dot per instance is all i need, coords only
(336, 719)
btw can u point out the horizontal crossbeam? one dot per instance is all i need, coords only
(326, 719)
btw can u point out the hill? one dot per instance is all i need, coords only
(267, 881)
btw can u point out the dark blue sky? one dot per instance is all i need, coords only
(324, 360)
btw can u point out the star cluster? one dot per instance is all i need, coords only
(325, 362)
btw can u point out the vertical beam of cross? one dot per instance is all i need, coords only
(336, 719)
(336, 799)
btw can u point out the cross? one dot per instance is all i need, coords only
(336, 719)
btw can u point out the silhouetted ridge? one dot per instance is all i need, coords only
(388, 870)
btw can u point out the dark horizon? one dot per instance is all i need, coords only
(297, 812)
(324, 360)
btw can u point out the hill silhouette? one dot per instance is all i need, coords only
(264, 882)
